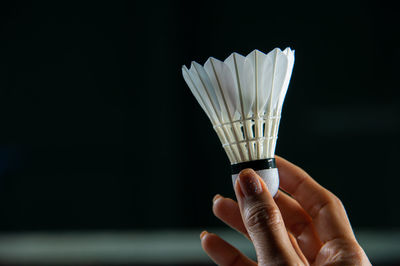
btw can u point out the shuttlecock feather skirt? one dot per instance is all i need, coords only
(243, 97)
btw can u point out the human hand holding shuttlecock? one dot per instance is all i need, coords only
(243, 98)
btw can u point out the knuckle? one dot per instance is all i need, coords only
(344, 252)
(262, 216)
(298, 228)
(359, 255)
(327, 200)
(334, 199)
(356, 254)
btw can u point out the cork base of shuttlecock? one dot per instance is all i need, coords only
(270, 178)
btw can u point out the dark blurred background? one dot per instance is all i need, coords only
(99, 131)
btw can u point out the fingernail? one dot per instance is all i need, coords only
(216, 197)
(203, 234)
(249, 183)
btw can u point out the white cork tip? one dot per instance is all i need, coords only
(270, 178)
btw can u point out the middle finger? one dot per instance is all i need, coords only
(227, 210)
(300, 224)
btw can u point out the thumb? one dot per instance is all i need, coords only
(263, 220)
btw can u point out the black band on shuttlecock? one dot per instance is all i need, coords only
(255, 165)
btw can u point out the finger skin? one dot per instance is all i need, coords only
(297, 221)
(297, 249)
(300, 224)
(326, 210)
(223, 253)
(263, 220)
(227, 210)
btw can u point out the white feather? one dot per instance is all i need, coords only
(242, 96)
(208, 99)
(244, 80)
(194, 90)
(222, 80)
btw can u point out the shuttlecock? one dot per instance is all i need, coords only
(243, 98)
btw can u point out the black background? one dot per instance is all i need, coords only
(99, 131)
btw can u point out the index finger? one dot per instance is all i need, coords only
(262, 219)
(326, 210)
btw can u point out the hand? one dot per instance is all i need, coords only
(309, 227)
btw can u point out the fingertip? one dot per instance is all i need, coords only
(218, 204)
(245, 176)
(211, 243)
(224, 208)
(216, 198)
(203, 234)
(208, 241)
(248, 172)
